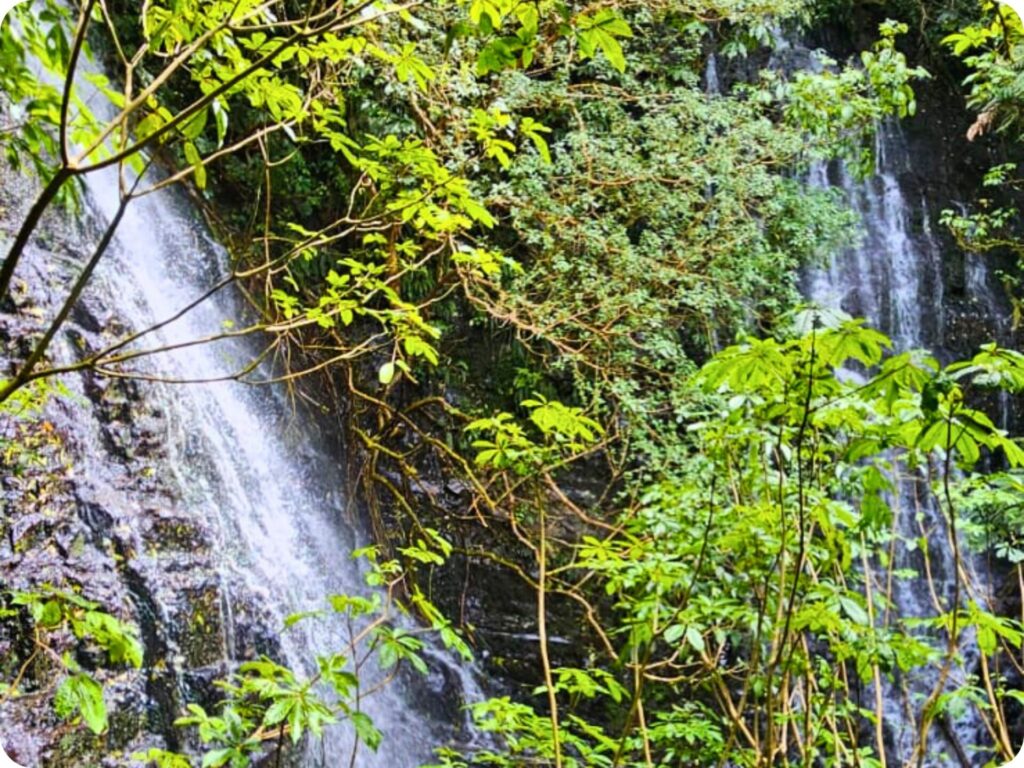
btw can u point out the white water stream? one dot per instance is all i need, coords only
(249, 468)
(893, 277)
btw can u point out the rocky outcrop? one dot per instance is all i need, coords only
(87, 509)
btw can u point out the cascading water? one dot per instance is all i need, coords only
(893, 278)
(237, 458)
(248, 467)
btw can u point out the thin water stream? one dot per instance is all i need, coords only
(249, 468)
(893, 278)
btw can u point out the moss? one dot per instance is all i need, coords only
(78, 747)
(78, 546)
(202, 642)
(176, 534)
(126, 724)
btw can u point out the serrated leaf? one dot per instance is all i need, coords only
(278, 711)
(366, 730)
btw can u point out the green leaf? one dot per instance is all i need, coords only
(162, 758)
(674, 633)
(217, 757)
(496, 56)
(50, 615)
(82, 694)
(366, 730)
(853, 609)
(295, 618)
(195, 160)
(533, 130)
(695, 639)
(193, 128)
(489, 11)
(220, 117)
(601, 31)
(278, 711)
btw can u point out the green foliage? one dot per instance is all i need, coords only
(26, 437)
(161, 758)
(991, 44)
(527, 736)
(557, 176)
(31, 106)
(265, 697)
(563, 431)
(992, 228)
(994, 514)
(845, 103)
(991, 48)
(77, 695)
(601, 32)
(53, 611)
(664, 221)
(81, 694)
(758, 560)
(265, 702)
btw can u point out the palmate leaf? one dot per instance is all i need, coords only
(993, 367)
(851, 341)
(900, 375)
(409, 66)
(749, 367)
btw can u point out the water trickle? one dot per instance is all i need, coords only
(893, 277)
(712, 84)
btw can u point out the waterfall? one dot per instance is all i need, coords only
(712, 83)
(247, 467)
(238, 455)
(893, 278)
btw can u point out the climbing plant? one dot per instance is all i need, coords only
(758, 587)
(517, 241)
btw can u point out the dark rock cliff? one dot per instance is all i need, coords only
(86, 508)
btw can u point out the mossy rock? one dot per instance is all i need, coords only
(202, 632)
(175, 534)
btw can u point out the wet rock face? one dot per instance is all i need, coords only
(943, 170)
(53, 533)
(492, 604)
(86, 509)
